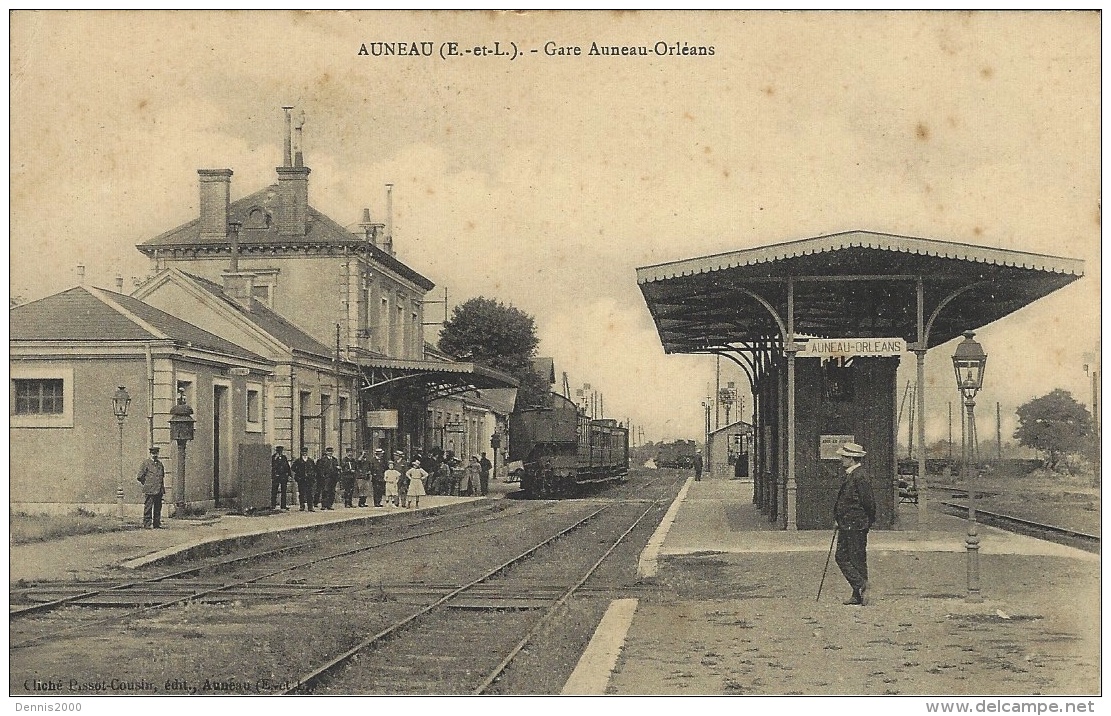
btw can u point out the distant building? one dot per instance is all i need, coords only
(728, 445)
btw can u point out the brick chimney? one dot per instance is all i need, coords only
(215, 198)
(293, 200)
(239, 286)
(371, 231)
(293, 182)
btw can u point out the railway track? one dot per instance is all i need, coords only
(1031, 528)
(86, 593)
(167, 590)
(502, 617)
(240, 623)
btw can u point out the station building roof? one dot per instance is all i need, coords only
(95, 315)
(857, 283)
(321, 232)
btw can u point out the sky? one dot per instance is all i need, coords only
(545, 181)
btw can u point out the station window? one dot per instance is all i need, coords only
(42, 396)
(187, 386)
(39, 396)
(262, 294)
(254, 408)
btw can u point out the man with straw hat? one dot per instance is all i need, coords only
(854, 513)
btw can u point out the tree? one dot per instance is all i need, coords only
(1055, 424)
(486, 331)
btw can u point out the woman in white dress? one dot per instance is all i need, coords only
(416, 483)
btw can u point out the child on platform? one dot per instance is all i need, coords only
(416, 477)
(392, 477)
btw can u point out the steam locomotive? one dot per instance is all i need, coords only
(562, 449)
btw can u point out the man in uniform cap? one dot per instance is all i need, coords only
(854, 511)
(280, 473)
(347, 469)
(362, 478)
(698, 465)
(377, 468)
(304, 473)
(327, 474)
(152, 476)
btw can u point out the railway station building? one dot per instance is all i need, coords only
(341, 287)
(819, 327)
(289, 329)
(70, 352)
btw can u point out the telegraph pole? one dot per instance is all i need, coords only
(998, 433)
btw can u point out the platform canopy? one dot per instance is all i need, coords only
(431, 379)
(858, 283)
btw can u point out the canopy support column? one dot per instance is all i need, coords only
(792, 522)
(920, 356)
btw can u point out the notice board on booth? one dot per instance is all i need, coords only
(828, 445)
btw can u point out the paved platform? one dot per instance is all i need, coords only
(96, 555)
(735, 611)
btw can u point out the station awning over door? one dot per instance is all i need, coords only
(430, 379)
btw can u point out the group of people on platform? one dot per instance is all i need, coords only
(397, 482)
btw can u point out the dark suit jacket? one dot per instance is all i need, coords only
(855, 508)
(152, 475)
(304, 469)
(279, 467)
(327, 468)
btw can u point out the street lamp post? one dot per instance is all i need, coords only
(707, 404)
(969, 361)
(727, 396)
(120, 402)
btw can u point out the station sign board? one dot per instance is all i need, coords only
(383, 419)
(849, 347)
(828, 445)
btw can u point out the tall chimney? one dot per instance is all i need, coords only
(293, 200)
(293, 187)
(367, 226)
(119, 282)
(388, 244)
(240, 286)
(298, 149)
(215, 198)
(233, 234)
(288, 159)
(80, 274)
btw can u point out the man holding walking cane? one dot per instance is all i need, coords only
(854, 513)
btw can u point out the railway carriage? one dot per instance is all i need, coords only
(562, 449)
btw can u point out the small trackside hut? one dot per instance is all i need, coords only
(819, 326)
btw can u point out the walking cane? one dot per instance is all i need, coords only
(821, 583)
